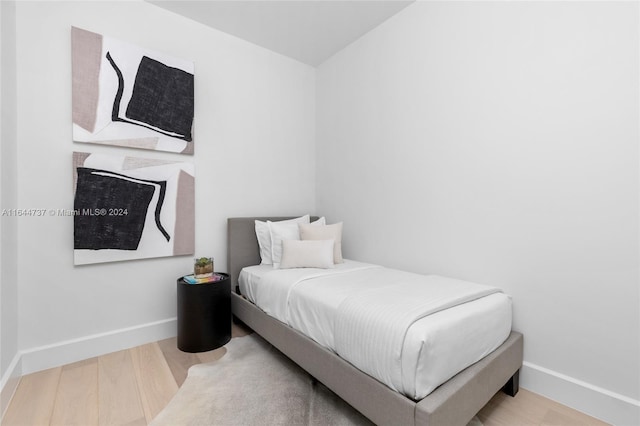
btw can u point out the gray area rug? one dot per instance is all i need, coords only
(254, 384)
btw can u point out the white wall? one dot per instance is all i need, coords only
(255, 146)
(498, 142)
(9, 359)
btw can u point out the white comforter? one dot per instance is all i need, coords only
(411, 332)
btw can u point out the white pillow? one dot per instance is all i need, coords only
(322, 221)
(264, 237)
(307, 254)
(326, 232)
(280, 231)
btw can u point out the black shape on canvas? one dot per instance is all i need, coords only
(162, 97)
(98, 192)
(172, 114)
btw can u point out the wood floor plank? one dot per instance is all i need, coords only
(239, 329)
(553, 418)
(561, 415)
(77, 396)
(32, 403)
(528, 408)
(119, 401)
(558, 414)
(211, 356)
(155, 380)
(178, 361)
(503, 409)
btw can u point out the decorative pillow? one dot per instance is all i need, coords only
(280, 231)
(307, 254)
(264, 237)
(325, 232)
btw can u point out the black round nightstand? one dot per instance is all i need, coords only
(204, 315)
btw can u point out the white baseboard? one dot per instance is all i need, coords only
(595, 401)
(9, 383)
(66, 352)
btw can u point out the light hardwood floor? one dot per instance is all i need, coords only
(131, 387)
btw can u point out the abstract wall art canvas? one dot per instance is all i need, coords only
(125, 95)
(129, 208)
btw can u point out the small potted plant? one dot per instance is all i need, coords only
(203, 267)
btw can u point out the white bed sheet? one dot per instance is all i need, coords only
(435, 347)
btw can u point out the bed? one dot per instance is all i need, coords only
(454, 402)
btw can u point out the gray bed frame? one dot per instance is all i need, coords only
(453, 403)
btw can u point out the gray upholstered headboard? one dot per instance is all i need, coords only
(242, 244)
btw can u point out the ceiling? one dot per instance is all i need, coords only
(309, 31)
